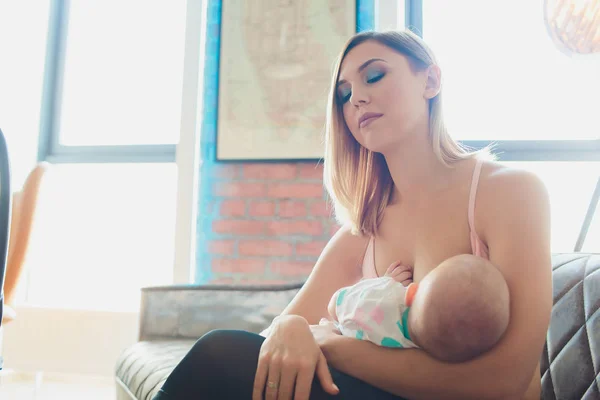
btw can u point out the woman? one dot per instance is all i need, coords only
(409, 194)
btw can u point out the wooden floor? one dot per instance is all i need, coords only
(43, 386)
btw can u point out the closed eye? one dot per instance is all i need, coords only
(374, 77)
(344, 95)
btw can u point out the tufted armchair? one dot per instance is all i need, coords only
(571, 359)
(5, 197)
(173, 317)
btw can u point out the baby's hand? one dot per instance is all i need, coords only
(400, 273)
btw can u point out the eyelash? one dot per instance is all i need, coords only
(376, 78)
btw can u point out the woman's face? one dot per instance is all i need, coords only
(377, 83)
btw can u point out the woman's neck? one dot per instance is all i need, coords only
(416, 170)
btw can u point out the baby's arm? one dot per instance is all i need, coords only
(401, 273)
(331, 306)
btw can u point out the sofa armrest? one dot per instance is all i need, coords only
(190, 311)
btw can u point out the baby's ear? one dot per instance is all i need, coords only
(411, 291)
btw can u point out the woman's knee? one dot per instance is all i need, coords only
(212, 343)
(222, 344)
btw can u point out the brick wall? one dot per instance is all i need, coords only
(257, 222)
(269, 222)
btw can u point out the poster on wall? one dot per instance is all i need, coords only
(276, 62)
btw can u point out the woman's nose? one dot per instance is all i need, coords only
(359, 97)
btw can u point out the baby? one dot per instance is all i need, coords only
(457, 312)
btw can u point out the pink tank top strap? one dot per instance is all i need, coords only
(473, 194)
(478, 247)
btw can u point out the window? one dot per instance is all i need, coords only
(122, 73)
(21, 80)
(389, 14)
(512, 86)
(108, 79)
(103, 232)
(113, 81)
(509, 84)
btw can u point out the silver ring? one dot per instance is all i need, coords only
(271, 385)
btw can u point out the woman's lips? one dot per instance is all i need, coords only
(365, 122)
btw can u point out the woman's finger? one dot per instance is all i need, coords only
(260, 379)
(286, 381)
(324, 376)
(304, 379)
(273, 379)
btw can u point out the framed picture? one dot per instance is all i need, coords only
(275, 69)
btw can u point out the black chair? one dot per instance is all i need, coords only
(5, 197)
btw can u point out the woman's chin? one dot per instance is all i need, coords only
(378, 146)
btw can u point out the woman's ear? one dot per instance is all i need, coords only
(411, 291)
(433, 83)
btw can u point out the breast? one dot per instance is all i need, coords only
(425, 234)
(422, 248)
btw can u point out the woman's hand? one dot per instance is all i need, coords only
(288, 360)
(400, 273)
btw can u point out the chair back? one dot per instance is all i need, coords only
(5, 200)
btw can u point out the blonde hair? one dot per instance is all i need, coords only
(358, 180)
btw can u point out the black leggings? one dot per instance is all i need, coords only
(222, 364)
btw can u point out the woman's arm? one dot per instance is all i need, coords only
(338, 265)
(515, 222)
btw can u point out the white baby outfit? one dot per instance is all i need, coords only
(373, 309)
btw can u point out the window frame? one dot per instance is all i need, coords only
(515, 150)
(511, 150)
(185, 154)
(50, 149)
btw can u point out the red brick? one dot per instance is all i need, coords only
(270, 171)
(265, 248)
(239, 189)
(311, 228)
(233, 208)
(292, 268)
(225, 247)
(232, 265)
(290, 209)
(238, 227)
(227, 171)
(222, 281)
(262, 209)
(311, 171)
(295, 190)
(321, 209)
(310, 248)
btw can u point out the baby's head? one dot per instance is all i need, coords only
(460, 309)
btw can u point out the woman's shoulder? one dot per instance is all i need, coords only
(508, 193)
(499, 180)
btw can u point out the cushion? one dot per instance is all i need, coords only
(144, 367)
(570, 362)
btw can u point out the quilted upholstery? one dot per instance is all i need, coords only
(188, 311)
(144, 367)
(173, 317)
(571, 360)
